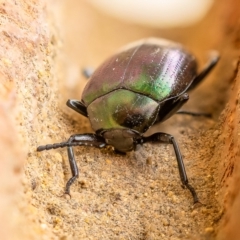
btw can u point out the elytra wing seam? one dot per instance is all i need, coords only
(123, 76)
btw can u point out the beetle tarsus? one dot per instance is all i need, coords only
(193, 192)
(66, 193)
(74, 170)
(195, 114)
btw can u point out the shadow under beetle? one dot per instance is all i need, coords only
(140, 86)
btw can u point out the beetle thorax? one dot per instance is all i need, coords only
(121, 139)
(122, 109)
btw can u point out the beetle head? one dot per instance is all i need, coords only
(121, 139)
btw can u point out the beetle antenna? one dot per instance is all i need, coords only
(58, 145)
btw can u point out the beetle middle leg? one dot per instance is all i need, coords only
(77, 106)
(194, 114)
(170, 107)
(167, 138)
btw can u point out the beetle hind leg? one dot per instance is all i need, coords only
(213, 60)
(87, 72)
(169, 139)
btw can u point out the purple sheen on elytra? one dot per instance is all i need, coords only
(107, 77)
(123, 109)
(154, 70)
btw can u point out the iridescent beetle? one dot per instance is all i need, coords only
(142, 85)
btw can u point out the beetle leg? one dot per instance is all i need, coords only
(167, 138)
(87, 72)
(77, 106)
(168, 108)
(74, 170)
(195, 114)
(214, 57)
(75, 140)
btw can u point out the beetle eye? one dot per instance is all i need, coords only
(129, 134)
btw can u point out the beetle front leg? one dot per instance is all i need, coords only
(90, 139)
(74, 170)
(167, 138)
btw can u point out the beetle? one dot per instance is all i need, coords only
(142, 85)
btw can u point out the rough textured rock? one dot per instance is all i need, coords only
(228, 152)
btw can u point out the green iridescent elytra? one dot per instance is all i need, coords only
(160, 71)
